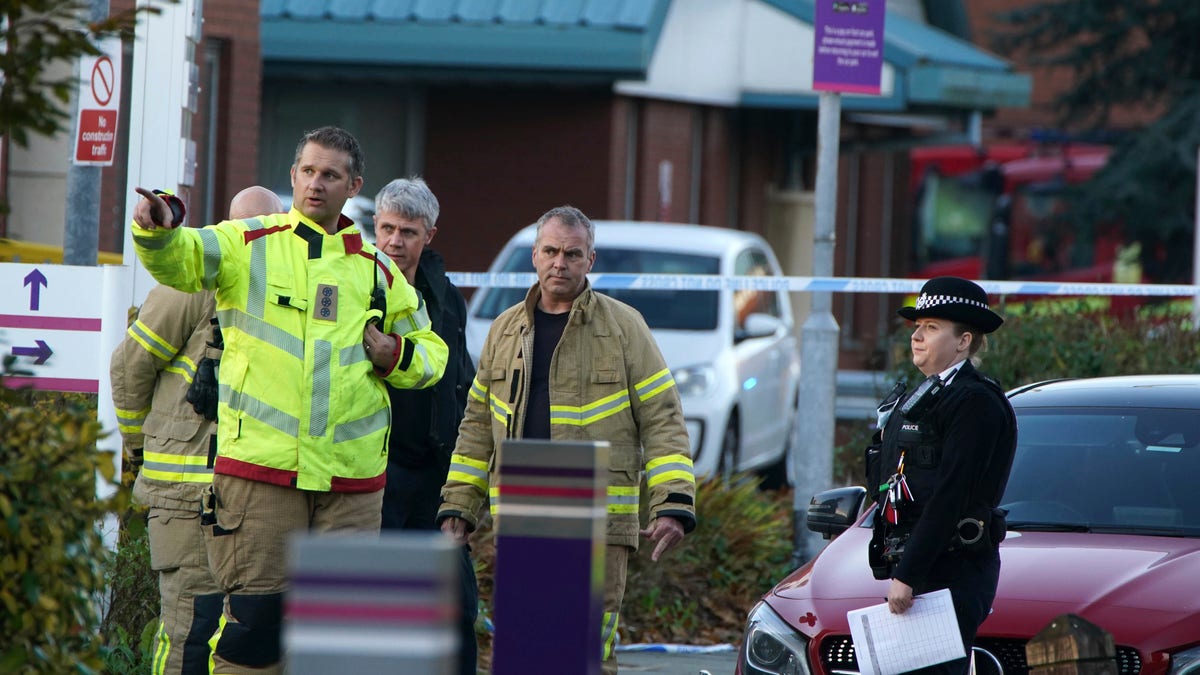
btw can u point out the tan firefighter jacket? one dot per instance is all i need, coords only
(608, 382)
(151, 371)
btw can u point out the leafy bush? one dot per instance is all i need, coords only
(698, 592)
(131, 620)
(52, 556)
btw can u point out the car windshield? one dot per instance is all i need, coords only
(662, 309)
(1124, 470)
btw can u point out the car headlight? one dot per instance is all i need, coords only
(695, 380)
(771, 647)
(1186, 662)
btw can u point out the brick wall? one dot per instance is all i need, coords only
(498, 158)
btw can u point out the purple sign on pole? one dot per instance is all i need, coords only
(848, 45)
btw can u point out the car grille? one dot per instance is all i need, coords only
(837, 655)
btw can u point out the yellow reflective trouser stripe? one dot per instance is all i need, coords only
(655, 384)
(177, 468)
(592, 412)
(184, 367)
(150, 341)
(162, 649)
(212, 643)
(608, 633)
(493, 499)
(469, 471)
(131, 421)
(667, 468)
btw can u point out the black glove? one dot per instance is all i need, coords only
(204, 390)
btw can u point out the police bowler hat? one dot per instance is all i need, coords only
(954, 299)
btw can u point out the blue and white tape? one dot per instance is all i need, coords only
(712, 282)
(676, 648)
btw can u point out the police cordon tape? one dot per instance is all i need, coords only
(712, 282)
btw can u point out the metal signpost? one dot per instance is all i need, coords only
(848, 57)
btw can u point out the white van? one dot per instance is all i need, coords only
(733, 353)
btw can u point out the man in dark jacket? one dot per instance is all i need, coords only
(425, 423)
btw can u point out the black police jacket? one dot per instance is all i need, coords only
(957, 461)
(425, 421)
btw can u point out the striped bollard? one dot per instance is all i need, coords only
(550, 537)
(372, 604)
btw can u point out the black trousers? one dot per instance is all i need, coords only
(410, 502)
(972, 590)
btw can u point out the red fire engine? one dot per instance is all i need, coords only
(1000, 212)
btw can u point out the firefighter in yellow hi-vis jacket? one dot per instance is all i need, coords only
(168, 434)
(315, 320)
(571, 364)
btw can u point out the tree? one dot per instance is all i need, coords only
(38, 34)
(1138, 54)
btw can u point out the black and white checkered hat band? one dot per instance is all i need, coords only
(926, 301)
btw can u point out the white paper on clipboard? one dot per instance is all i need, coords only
(887, 644)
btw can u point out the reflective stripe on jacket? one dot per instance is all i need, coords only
(608, 382)
(301, 405)
(151, 371)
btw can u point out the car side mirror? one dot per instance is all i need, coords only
(758, 325)
(832, 512)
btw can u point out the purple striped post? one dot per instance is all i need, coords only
(361, 603)
(549, 582)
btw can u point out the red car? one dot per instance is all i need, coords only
(1103, 522)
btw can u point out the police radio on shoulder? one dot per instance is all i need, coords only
(923, 398)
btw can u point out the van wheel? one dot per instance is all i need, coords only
(728, 463)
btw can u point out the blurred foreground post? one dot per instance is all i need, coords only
(1071, 645)
(367, 604)
(551, 509)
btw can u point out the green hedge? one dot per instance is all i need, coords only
(1074, 340)
(52, 558)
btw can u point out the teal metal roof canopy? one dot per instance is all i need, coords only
(608, 38)
(933, 68)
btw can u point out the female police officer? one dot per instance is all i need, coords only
(943, 462)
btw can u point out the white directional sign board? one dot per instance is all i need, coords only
(51, 321)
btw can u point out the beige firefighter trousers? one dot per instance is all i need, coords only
(177, 553)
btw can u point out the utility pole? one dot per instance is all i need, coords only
(813, 461)
(81, 239)
(847, 57)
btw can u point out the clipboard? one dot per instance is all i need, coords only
(925, 635)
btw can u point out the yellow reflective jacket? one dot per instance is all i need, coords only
(608, 382)
(151, 371)
(301, 405)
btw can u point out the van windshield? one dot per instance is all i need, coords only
(662, 308)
